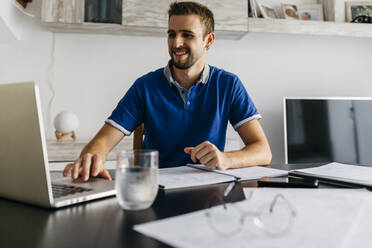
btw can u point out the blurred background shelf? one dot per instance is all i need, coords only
(285, 26)
(144, 18)
(70, 151)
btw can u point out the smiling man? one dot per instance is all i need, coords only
(185, 107)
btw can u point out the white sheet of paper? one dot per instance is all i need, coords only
(325, 218)
(256, 172)
(351, 173)
(184, 176)
(360, 234)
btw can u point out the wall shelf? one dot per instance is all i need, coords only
(117, 29)
(256, 25)
(147, 18)
(285, 26)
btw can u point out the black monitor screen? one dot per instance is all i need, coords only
(328, 130)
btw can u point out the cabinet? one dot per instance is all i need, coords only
(140, 17)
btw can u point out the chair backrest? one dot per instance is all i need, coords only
(138, 137)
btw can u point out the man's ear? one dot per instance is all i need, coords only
(210, 40)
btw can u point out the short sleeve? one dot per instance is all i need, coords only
(242, 108)
(128, 114)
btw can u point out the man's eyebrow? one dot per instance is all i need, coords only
(186, 31)
(182, 30)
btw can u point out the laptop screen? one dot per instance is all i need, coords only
(328, 130)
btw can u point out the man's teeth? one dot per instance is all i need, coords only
(180, 53)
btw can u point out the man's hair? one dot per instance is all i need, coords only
(189, 8)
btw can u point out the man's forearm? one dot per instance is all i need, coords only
(103, 142)
(257, 153)
(96, 146)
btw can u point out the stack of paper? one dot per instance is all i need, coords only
(197, 175)
(360, 175)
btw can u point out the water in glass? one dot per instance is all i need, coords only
(137, 179)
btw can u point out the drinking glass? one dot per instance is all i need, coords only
(136, 179)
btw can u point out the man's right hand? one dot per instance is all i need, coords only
(87, 165)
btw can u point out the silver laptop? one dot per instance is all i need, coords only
(24, 168)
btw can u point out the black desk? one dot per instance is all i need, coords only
(100, 223)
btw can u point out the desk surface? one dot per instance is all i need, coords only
(100, 223)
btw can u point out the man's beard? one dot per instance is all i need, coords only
(183, 66)
(190, 61)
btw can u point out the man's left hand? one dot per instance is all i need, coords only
(209, 155)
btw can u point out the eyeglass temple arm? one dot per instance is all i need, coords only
(293, 212)
(274, 201)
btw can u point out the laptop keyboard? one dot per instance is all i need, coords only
(60, 190)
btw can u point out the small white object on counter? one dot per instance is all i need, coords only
(66, 122)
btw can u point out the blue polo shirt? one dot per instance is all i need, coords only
(175, 118)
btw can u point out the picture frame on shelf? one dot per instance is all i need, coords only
(312, 12)
(267, 11)
(290, 11)
(357, 9)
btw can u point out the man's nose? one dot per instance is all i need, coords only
(178, 41)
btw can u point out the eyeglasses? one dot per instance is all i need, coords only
(274, 217)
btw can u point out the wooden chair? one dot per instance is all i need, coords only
(138, 137)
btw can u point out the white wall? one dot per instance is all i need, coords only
(92, 72)
(11, 22)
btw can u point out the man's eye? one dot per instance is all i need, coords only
(187, 35)
(171, 35)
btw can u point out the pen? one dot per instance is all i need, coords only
(229, 189)
(292, 184)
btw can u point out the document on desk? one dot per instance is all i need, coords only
(361, 175)
(324, 218)
(198, 175)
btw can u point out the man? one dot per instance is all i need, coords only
(185, 107)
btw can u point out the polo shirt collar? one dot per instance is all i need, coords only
(168, 74)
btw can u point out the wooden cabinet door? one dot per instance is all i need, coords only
(146, 13)
(63, 11)
(229, 15)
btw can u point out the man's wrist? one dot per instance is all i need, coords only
(92, 154)
(228, 160)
